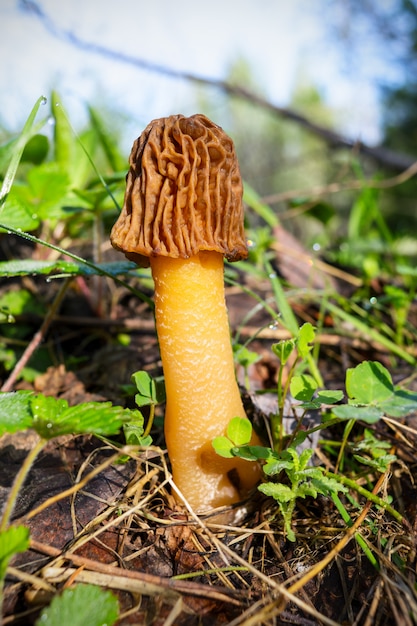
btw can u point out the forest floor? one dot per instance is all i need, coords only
(121, 528)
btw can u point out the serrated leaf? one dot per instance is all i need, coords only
(369, 383)
(380, 463)
(53, 417)
(239, 431)
(17, 214)
(13, 540)
(278, 491)
(15, 412)
(133, 430)
(326, 485)
(81, 605)
(306, 489)
(304, 459)
(275, 465)
(49, 187)
(303, 387)
(223, 446)
(28, 267)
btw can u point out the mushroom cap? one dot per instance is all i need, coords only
(183, 193)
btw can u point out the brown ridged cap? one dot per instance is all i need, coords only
(183, 193)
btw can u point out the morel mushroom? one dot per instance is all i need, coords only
(183, 213)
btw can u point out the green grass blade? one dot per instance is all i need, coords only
(263, 210)
(373, 334)
(29, 130)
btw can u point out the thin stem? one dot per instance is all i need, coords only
(369, 495)
(359, 539)
(18, 482)
(150, 420)
(348, 429)
(37, 338)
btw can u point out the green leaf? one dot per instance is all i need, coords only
(283, 349)
(244, 356)
(380, 463)
(13, 540)
(253, 453)
(15, 412)
(133, 430)
(36, 149)
(49, 188)
(303, 387)
(400, 404)
(275, 464)
(305, 336)
(53, 417)
(306, 489)
(223, 446)
(313, 405)
(239, 431)
(146, 388)
(29, 130)
(82, 605)
(304, 459)
(327, 486)
(369, 414)
(29, 267)
(369, 383)
(330, 396)
(278, 491)
(150, 390)
(18, 214)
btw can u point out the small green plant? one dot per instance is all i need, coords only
(371, 394)
(245, 357)
(303, 387)
(150, 392)
(301, 478)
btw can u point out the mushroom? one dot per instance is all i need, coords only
(182, 214)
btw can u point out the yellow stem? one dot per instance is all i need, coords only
(201, 388)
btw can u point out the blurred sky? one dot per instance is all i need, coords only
(284, 41)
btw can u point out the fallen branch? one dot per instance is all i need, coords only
(384, 156)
